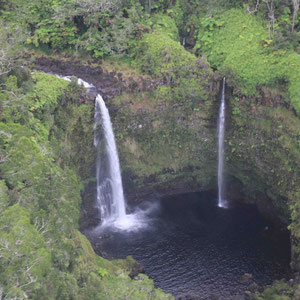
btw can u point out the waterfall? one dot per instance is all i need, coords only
(110, 196)
(221, 130)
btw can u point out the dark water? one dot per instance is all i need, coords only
(192, 247)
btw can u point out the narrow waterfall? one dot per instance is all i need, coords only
(110, 196)
(221, 130)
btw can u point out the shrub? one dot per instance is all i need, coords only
(240, 45)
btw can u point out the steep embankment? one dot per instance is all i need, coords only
(166, 131)
(45, 128)
(167, 145)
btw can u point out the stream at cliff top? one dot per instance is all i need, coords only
(193, 247)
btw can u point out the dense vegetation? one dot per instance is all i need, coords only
(255, 44)
(43, 255)
(266, 33)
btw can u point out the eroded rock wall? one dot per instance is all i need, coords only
(168, 145)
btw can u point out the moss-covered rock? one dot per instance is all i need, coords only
(166, 145)
(263, 150)
(47, 154)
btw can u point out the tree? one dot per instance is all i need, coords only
(10, 37)
(24, 257)
(295, 12)
(271, 16)
(94, 6)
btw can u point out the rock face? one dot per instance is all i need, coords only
(263, 151)
(164, 147)
(168, 146)
(109, 84)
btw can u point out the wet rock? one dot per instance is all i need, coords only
(186, 297)
(138, 278)
(246, 277)
(105, 236)
(253, 287)
(138, 268)
(108, 84)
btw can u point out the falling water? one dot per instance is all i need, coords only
(221, 129)
(110, 197)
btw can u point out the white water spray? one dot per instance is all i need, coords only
(221, 130)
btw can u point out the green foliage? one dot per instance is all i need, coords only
(165, 24)
(237, 45)
(290, 66)
(206, 32)
(240, 46)
(11, 37)
(278, 291)
(25, 257)
(57, 35)
(46, 92)
(159, 55)
(102, 272)
(101, 28)
(295, 225)
(27, 154)
(117, 34)
(43, 255)
(3, 196)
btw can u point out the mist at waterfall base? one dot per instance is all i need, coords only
(191, 246)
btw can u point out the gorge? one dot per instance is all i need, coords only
(160, 218)
(136, 129)
(159, 232)
(124, 197)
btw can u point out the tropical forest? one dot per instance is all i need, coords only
(150, 149)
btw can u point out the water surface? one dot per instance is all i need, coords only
(193, 247)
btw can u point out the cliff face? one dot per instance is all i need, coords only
(164, 147)
(263, 150)
(46, 156)
(168, 144)
(168, 147)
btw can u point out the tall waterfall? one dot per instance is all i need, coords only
(221, 130)
(110, 196)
